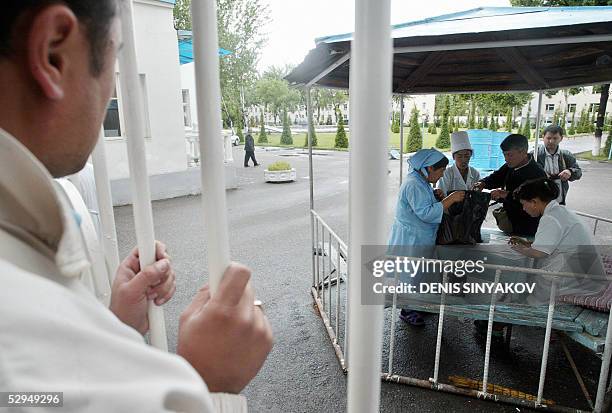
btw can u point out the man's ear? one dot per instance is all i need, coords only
(52, 32)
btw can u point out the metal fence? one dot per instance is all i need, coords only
(329, 290)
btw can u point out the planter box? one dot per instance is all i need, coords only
(280, 176)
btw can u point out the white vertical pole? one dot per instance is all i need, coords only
(311, 181)
(208, 93)
(549, 321)
(139, 178)
(605, 369)
(401, 159)
(537, 133)
(370, 94)
(105, 203)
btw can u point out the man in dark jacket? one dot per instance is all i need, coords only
(559, 164)
(519, 167)
(249, 150)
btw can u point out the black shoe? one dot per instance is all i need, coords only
(246, 166)
(256, 164)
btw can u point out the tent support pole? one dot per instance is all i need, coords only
(401, 172)
(370, 94)
(537, 131)
(310, 178)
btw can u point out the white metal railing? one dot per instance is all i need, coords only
(328, 246)
(596, 218)
(331, 256)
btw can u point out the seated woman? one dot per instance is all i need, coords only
(562, 243)
(419, 212)
(461, 176)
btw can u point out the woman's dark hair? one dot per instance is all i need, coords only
(544, 189)
(94, 15)
(442, 163)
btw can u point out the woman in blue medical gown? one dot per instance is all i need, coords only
(419, 212)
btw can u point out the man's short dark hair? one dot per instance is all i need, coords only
(553, 130)
(514, 141)
(94, 15)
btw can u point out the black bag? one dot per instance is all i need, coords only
(461, 223)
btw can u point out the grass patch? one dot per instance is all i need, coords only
(328, 140)
(588, 155)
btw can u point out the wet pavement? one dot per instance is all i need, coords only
(270, 231)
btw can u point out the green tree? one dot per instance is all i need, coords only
(415, 139)
(286, 138)
(472, 120)
(311, 131)
(341, 139)
(572, 128)
(527, 124)
(241, 30)
(240, 133)
(395, 123)
(509, 120)
(443, 140)
(274, 93)
(263, 136)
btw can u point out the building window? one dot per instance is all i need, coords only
(186, 108)
(594, 107)
(112, 121)
(571, 107)
(550, 107)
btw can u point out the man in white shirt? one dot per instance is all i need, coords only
(56, 76)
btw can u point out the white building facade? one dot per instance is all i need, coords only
(158, 65)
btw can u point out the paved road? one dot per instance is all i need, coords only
(269, 230)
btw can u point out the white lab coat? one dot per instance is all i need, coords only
(453, 181)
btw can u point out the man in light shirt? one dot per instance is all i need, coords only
(559, 164)
(56, 75)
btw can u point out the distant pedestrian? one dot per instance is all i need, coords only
(249, 150)
(559, 164)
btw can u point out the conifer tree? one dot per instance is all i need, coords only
(415, 139)
(263, 136)
(286, 138)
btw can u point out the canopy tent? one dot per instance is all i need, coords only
(479, 50)
(487, 49)
(185, 45)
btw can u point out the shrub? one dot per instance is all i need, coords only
(311, 131)
(263, 137)
(415, 140)
(472, 119)
(395, 124)
(527, 125)
(572, 128)
(509, 120)
(286, 138)
(279, 166)
(443, 140)
(606, 149)
(341, 139)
